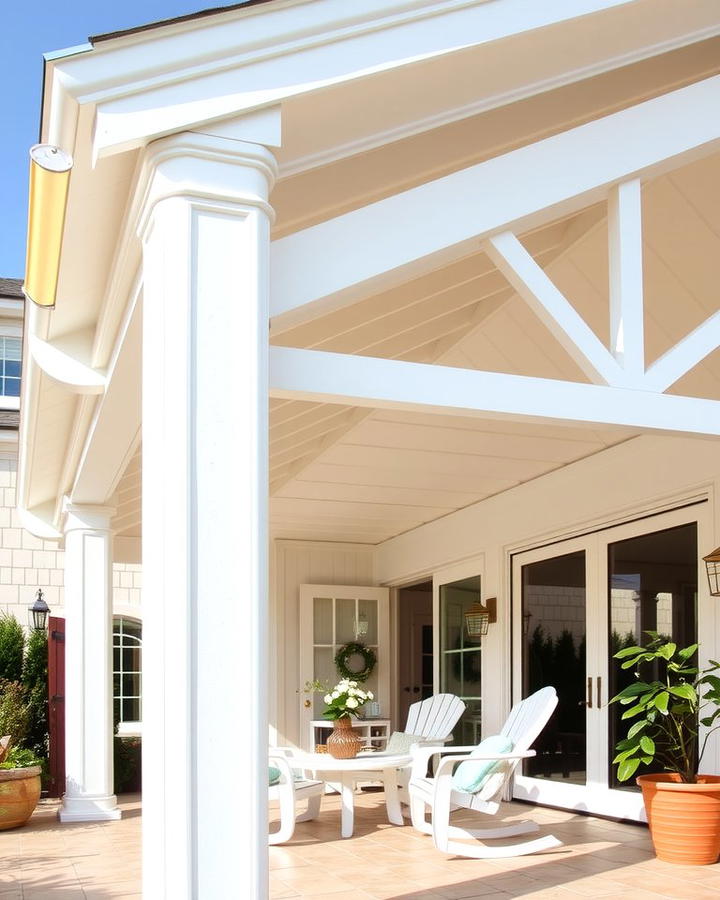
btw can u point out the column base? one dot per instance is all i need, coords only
(89, 809)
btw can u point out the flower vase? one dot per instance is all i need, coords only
(343, 742)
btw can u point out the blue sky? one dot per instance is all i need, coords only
(28, 31)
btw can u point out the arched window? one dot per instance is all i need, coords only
(127, 670)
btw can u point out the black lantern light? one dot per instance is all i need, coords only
(712, 564)
(38, 612)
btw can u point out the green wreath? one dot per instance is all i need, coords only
(355, 649)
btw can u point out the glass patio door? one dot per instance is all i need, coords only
(575, 604)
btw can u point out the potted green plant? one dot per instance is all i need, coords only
(342, 702)
(20, 772)
(667, 701)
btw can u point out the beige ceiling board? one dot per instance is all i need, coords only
(376, 167)
(449, 484)
(305, 489)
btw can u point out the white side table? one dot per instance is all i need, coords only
(374, 732)
(341, 774)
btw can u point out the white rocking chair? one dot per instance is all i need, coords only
(289, 791)
(525, 722)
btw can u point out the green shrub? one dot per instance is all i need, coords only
(12, 645)
(36, 690)
(19, 758)
(14, 711)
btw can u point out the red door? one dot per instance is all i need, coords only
(56, 704)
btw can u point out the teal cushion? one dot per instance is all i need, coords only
(470, 776)
(400, 742)
(273, 775)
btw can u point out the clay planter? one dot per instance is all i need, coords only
(684, 819)
(19, 794)
(343, 742)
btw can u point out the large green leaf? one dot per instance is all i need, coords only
(637, 728)
(686, 691)
(667, 651)
(687, 652)
(648, 744)
(627, 769)
(661, 701)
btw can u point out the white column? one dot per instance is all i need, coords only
(88, 666)
(206, 236)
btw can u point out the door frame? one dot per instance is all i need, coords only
(596, 795)
(307, 664)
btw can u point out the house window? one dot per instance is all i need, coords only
(127, 671)
(10, 363)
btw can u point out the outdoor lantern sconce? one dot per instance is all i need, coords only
(49, 181)
(479, 617)
(38, 612)
(712, 564)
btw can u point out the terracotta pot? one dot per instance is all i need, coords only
(343, 742)
(19, 794)
(684, 819)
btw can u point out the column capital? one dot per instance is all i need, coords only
(201, 167)
(86, 517)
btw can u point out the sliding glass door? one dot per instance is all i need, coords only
(575, 604)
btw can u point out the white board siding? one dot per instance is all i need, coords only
(295, 563)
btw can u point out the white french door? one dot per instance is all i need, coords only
(575, 603)
(329, 619)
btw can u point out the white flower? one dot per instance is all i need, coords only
(335, 694)
(370, 695)
(351, 703)
(327, 698)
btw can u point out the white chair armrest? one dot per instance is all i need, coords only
(448, 761)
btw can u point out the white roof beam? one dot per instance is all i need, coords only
(553, 309)
(678, 361)
(412, 232)
(211, 70)
(627, 341)
(388, 384)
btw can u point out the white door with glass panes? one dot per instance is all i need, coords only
(459, 657)
(332, 616)
(575, 604)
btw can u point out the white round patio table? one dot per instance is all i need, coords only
(341, 775)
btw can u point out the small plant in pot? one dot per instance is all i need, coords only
(664, 714)
(342, 702)
(20, 772)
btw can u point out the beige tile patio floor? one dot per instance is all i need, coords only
(49, 861)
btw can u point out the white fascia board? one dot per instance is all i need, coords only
(338, 262)
(322, 377)
(163, 80)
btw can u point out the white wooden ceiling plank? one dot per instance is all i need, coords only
(442, 502)
(431, 462)
(451, 484)
(476, 443)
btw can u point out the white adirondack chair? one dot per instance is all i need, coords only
(289, 792)
(434, 718)
(431, 722)
(525, 722)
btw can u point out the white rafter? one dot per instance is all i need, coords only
(686, 354)
(390, 384)
(553, 309)
(627, 341)
(400, 236)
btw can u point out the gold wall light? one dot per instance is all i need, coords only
(479, 617)
(712, 565)
(49, 180)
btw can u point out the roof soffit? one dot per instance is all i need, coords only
(210, 69)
